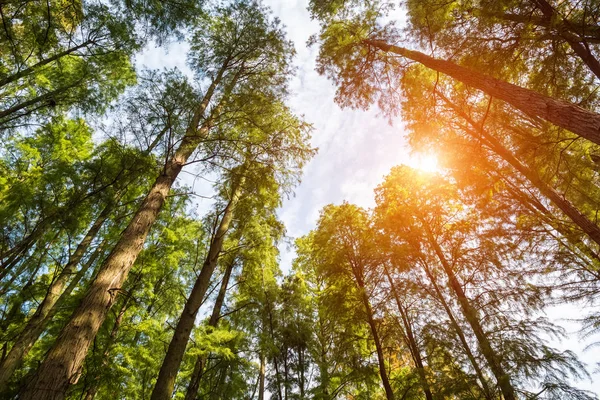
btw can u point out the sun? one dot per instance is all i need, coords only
(425, 162)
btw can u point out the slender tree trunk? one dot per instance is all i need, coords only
(584, 223)
(371, 321)
(472, 318)
(192, 390)
(45, 311)
(461, 335)
(410, 338)
(39, 99)
(586, 33)
(556, 21)
(261, 378)
(165, 382)
(64, 361)
(580, 121)
(27, 71)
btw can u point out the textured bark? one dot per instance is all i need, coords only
(165, 382)
(64, 361)
(472, 318)
(410, 339)
(192, 390)
(46, 310)
(580, 121)
(585, 224)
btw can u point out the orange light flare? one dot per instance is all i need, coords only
(426, 162)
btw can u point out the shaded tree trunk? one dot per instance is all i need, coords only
(64, 361)
(165, 382)
(196, 377)
(562, 26)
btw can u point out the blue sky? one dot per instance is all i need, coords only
(356, 150)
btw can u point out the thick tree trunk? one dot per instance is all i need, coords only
(165, 382)
(411, 341)
(45, 311)
(582, 122)
(192, 390)
(585, 224)
(91, 392)
(472, 318)
(64, 361)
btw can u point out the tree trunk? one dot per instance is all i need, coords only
(472, 318)
(46, 310)
(27, 71)
(192, 390)
(584, 223)
(410, 338)
(261, 378)
(64, 361)
(39, 99)
(461, 335)
(582, 122)
(556, 21)
(165, 382)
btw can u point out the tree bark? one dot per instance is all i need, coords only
(46, 310)
(582, 122)
(64, 361)
(472, 318)
(192, 390)
(165, 382)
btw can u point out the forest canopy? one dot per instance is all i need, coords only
(121, 279)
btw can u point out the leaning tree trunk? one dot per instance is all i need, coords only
(63, 364)
(564, 28)
(389, 393)
(192, 390)
(472, 318)
(43, 314)
(461, 335)
(569, 116)
(584, 223)
(165, 382)
(410, 338)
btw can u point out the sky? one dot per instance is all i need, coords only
(356, 149)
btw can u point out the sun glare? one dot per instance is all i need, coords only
(425, 162)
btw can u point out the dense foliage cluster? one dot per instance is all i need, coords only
(111, 287)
